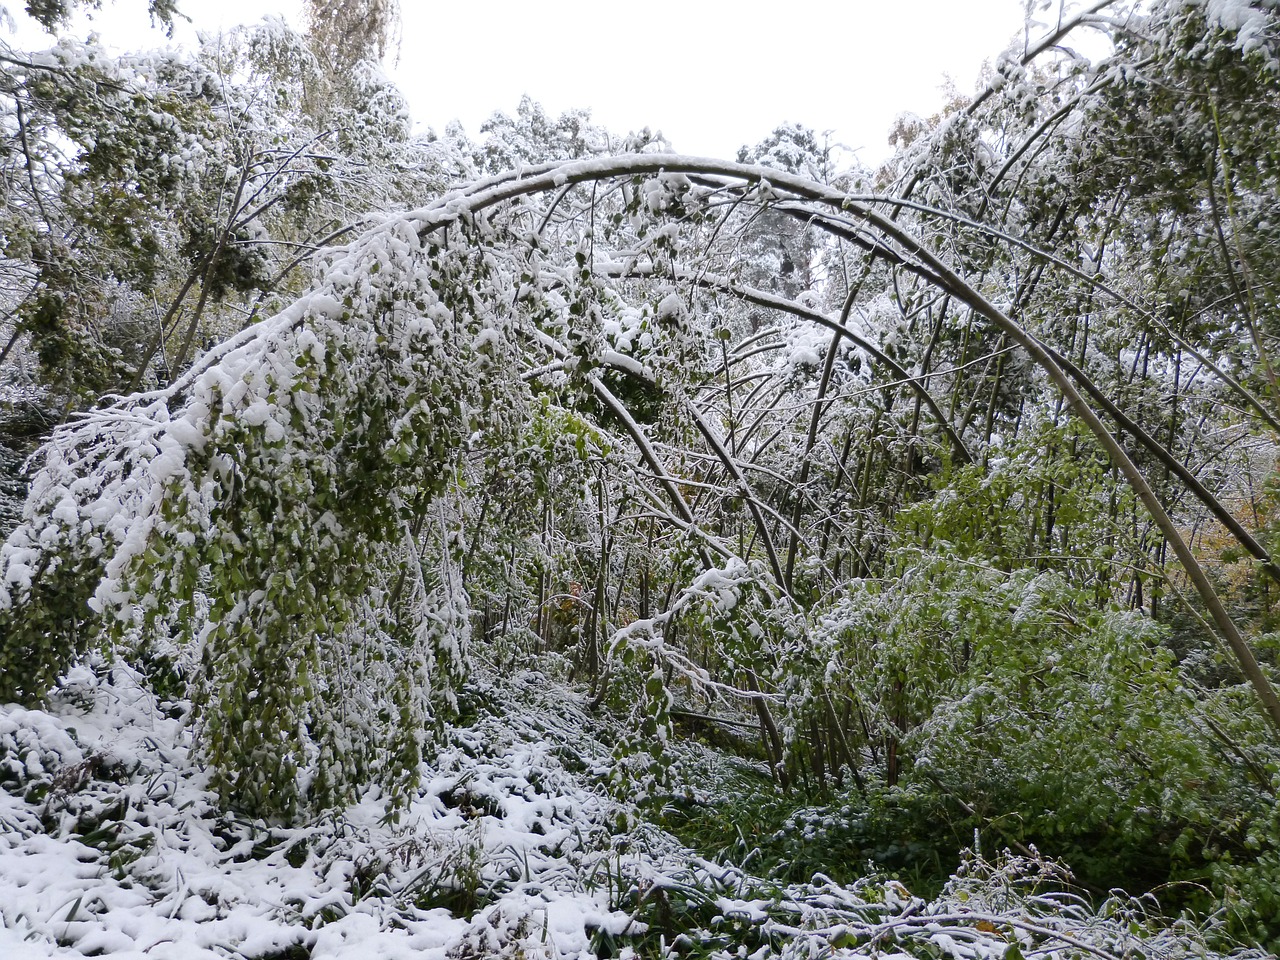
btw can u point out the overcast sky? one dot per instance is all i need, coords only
(710, 75)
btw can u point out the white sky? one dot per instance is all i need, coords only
(710, 75)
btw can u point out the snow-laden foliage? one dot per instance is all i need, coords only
(264, 517)
(157, 200)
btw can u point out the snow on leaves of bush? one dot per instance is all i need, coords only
(264, 511)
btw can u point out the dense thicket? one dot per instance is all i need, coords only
(954, 477)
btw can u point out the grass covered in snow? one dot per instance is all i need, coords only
(111, 844)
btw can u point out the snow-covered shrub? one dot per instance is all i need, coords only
(271, 516)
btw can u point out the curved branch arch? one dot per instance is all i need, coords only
(415, 338)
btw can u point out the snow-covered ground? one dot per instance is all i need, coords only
(111, 844)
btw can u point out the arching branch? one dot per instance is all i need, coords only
(771, 301)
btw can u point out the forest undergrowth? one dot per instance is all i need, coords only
(114, 845)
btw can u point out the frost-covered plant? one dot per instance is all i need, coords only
(727, 634)
(273, 515)
(158, 199)
(1009, 698)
